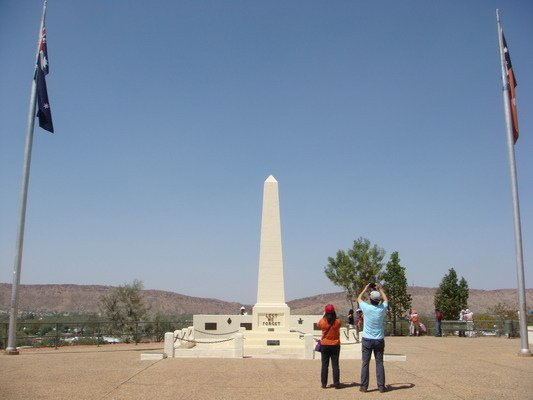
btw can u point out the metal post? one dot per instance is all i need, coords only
(98, 334)
(524, 350)
(56, 339)
(13, 312)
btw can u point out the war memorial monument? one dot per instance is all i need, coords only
(270, 330)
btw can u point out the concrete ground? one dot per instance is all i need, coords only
(436, 368)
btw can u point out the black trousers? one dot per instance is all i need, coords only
(327, 353)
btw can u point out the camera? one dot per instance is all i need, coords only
(372, 286)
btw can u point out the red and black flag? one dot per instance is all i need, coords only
(43, 112)
(511, 82)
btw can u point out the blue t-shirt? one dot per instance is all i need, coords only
(373, 323)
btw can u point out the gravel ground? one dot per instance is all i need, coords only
(436, 368)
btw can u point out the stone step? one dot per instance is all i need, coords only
(152, 356)
(274, 342)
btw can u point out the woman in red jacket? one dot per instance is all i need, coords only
(331, 345)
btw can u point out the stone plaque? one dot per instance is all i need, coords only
(271, 320)
(246, 325)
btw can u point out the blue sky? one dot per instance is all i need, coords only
(381, 120)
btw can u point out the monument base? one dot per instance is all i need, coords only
(271, 318)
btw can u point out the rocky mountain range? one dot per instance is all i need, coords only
(85, 299)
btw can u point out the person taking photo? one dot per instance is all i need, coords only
(374, 312)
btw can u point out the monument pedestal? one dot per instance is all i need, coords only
(271, 317)
(274, 344)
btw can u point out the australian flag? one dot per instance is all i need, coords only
(511, 80)
(44, 113)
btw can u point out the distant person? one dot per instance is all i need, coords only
(469, 318)
(351, 320)
(243, 311)
(359, 322)
(414, 323)
(438, 323)
(331, 345)
(373, 334)
(462, 320)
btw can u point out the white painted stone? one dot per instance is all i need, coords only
(184, 338)
(238, 345)
(309, 350)
(152, 356)
(394, 357)
(169, 344)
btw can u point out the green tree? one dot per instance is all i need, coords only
(352, 270)
(451, 296)
(463, 292)
(124, 306)
(395, 285)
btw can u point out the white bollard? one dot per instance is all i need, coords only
(169, 344)
(309, 346)
(238, 343)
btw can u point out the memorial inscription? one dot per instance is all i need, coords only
(270, 319)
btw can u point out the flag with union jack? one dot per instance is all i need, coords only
(511, 81)
(43, 113)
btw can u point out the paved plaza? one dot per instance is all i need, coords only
(436, 368)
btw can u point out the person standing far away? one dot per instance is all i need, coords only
(331, 345)
(414, 327)
(469, 318)
(373, 334)
(351, 321)
(411, 327)
(438, 323)
(359, 321)
(462, 320)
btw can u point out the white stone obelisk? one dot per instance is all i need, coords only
(271, 313)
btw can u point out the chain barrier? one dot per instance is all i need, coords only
(216, 334)
(207, 333)
(198, 342)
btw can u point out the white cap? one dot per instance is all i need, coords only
(375, 295)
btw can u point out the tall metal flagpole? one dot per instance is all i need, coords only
(524, 350)
(12, 334)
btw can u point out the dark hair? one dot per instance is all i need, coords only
(330, 317)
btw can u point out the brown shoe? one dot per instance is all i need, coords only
(382, 389)
(363, 389)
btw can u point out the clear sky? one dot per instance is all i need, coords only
(379, 119)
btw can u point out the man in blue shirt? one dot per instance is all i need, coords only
(373, 334)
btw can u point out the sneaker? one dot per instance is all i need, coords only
(382, 389)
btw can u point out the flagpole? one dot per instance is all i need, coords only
(524, 350)
(13, 312)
